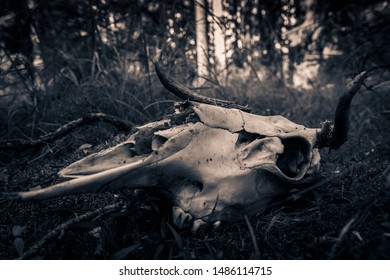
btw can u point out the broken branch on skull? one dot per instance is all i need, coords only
(216, 161)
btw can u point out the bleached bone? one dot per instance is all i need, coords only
(217, 163)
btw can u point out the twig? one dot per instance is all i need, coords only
(66, 128)
(64, 226)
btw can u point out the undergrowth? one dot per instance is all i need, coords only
(344, 216)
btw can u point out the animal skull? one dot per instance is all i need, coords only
(216, 163)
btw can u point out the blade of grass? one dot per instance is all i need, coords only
(253, 237)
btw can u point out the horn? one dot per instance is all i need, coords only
(333, 134)
(185, 93)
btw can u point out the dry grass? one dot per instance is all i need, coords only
(345, 216)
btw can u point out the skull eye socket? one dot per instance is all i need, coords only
(296, 156)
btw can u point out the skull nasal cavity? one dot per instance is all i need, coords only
(295, 156)
(145, 142)
(244, 138)
(157, 142)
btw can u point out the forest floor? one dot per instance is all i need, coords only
(345, 215)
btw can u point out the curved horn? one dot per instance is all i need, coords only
(334, 134)
(185, 93)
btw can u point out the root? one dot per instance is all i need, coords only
(63, 130)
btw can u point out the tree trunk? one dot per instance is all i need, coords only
(219, 41)
(201, 41)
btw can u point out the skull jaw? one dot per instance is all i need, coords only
(197, 206)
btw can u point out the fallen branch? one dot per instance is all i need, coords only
(185, 93)
(64, 226)
(66, 128)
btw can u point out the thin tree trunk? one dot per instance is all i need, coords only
(219, 41)
(201, 41)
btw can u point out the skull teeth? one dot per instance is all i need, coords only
(198, 226)
(181, 218)
(216, 224)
